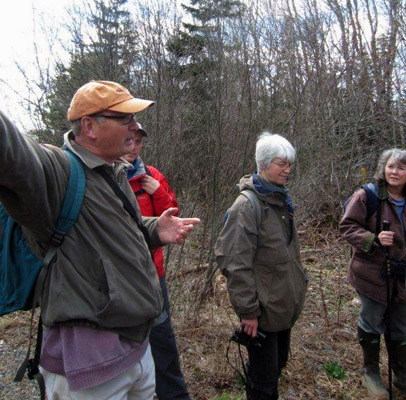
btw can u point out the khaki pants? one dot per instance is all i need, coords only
(135, 383)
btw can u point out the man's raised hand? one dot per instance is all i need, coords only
(174, 230)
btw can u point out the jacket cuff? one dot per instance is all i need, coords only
(151, 224)
(368, 243)
(252, 315)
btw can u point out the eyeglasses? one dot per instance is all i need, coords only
(124, 119)
(282, 164)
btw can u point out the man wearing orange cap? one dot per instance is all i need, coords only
(101, 294)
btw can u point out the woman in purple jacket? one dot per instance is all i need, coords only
(372, 246)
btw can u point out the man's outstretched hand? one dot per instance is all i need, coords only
(174, 230)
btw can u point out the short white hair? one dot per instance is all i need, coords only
(270, 146)
(76, 125)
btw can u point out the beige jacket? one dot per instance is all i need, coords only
(104, 275)
(265, 276)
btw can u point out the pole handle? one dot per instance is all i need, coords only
(385, 225)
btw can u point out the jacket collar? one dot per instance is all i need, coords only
(137, 168)
(269, 190)
(88, 158)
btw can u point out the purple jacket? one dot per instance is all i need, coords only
(368, 260)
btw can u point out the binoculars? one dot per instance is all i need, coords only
(246, 340)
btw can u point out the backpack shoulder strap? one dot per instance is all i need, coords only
(250, 195)
(374, 199)
(67, 217)
(72, 203)
(74, 195)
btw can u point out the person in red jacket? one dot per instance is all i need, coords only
(154, 196)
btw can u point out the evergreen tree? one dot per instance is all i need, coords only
(198, 51)
(107, 54)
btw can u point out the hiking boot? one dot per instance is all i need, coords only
(399, 364)
(371, 379)
(373, 383)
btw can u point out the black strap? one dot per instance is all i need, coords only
(126, 203)
(147, 170)
(33, 371)
(31, 365)
(378, 218)
(244, 377)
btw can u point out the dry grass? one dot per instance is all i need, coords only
(325, 332)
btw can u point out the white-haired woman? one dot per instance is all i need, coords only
(362, 228)
(265, 278)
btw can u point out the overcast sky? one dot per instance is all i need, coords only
(16, 45)
(18, 21)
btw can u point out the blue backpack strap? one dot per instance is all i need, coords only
(67, 217)
(73, 200)
(69, 213)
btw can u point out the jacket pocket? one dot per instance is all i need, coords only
(274, 258)
(368, 269)
(401, 291)
(133, 298)
(281, 291)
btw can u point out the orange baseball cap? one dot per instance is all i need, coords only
(97, 96)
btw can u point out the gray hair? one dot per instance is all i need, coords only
(76, 125)
(270, 146)
(398, 155)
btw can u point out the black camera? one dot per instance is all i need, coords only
(246, 340)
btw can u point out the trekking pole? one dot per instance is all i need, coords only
(386, 227)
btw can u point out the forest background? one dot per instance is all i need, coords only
(329, 75)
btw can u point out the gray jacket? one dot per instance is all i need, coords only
(265, 277)
(103, 275)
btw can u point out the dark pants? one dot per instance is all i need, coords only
(265, 365)
(169, 379)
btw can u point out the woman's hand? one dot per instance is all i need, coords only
(149, 184)
(386, 238)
